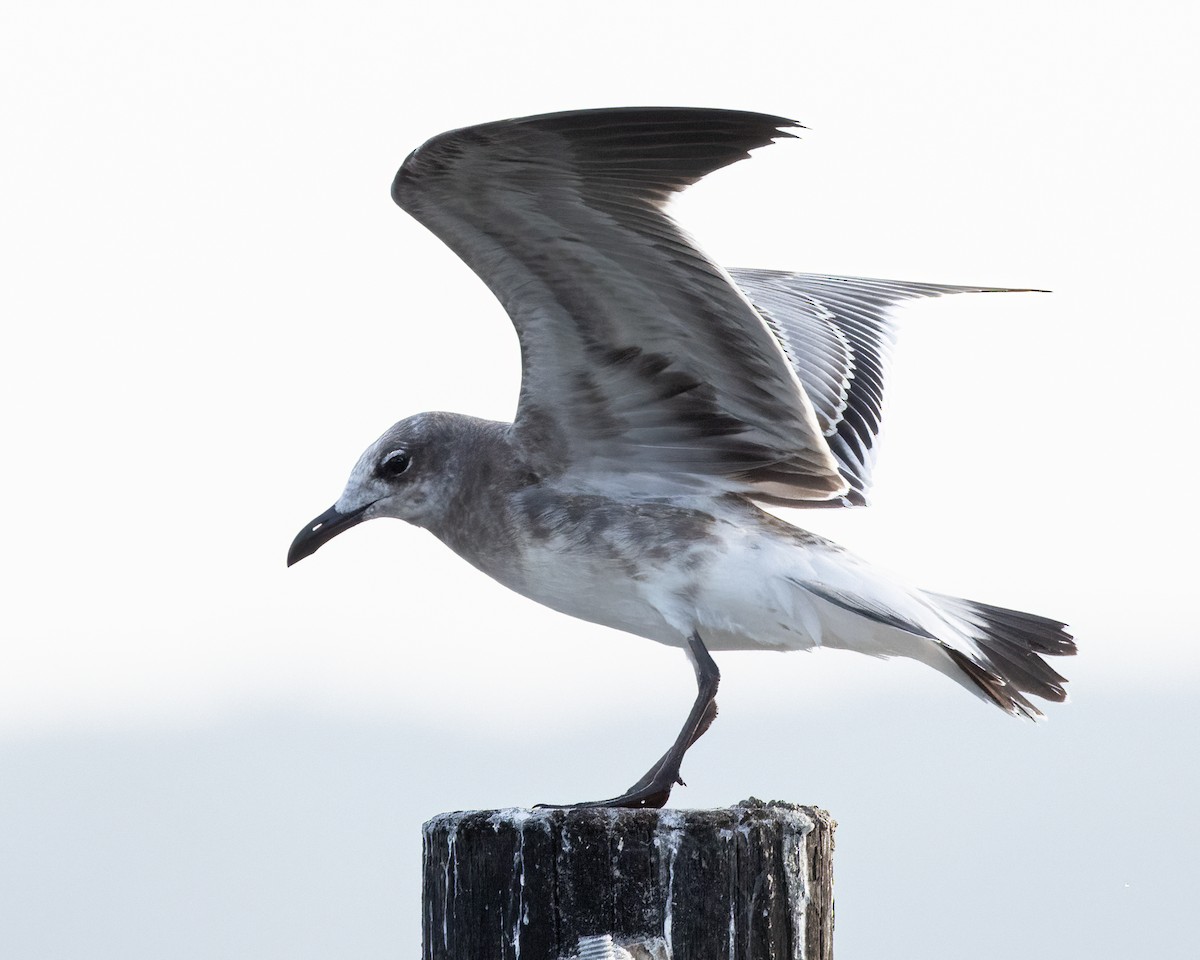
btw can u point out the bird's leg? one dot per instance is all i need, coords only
(649, 776)
(654, 789)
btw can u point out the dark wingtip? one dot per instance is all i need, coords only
(661, 147)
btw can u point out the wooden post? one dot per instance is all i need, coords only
(753, 882)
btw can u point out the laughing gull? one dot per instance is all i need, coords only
(663, 400)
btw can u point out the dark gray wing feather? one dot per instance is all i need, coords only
(838, 334)
(642, 363)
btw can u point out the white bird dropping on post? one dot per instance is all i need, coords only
(605, 948)
(601, 948)
(663, 399)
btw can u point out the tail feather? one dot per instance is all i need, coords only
(994, 687)
(1011, 645)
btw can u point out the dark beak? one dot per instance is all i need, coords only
(323, 529)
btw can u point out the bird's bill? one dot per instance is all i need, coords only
(321, 530)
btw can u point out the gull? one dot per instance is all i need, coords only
(664, 402)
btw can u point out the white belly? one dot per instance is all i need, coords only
(583, 586)
(734, 589)
(741, 579)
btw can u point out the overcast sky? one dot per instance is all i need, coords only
(211, 306)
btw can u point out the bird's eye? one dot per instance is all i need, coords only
(394, 464)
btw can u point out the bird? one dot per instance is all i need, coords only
(665, 403)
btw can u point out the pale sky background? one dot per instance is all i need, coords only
(211, 306)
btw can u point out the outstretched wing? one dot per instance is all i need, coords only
(643, 365)
(838, 334)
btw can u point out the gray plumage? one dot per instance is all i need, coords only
(662, 400)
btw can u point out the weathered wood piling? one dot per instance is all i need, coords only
(752, 882)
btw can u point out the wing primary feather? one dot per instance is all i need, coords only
(838, 333)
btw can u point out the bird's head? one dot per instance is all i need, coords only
(402, 474)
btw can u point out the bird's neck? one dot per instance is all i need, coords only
(486, 469)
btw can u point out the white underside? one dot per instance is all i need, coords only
(750, 593)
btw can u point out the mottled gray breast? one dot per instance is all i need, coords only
(638, 536)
